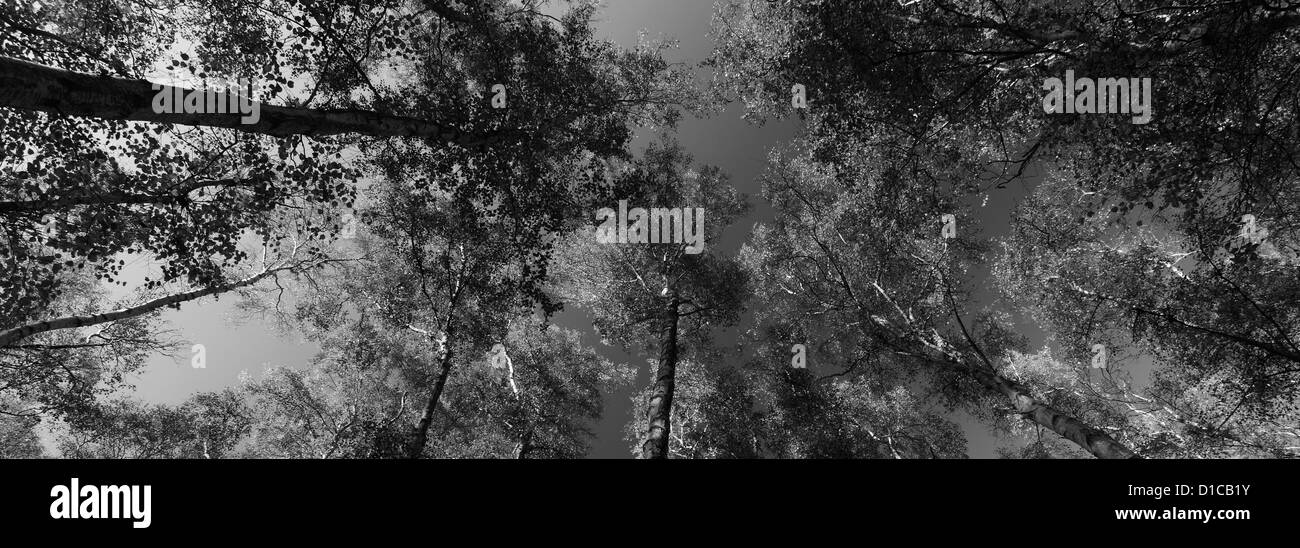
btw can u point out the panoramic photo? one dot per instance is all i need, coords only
(637, 229)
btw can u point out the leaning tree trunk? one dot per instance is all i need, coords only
(416, 447)
(661, 395)
(31, 86)
(13, 335)
(1090, 439)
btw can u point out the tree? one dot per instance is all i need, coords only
(713, 414)
(854, 267)
(340, 407)
(644, 291)
(967, 77)
(948, 96)
(540, 392)
(98, 176)
(1216, 322)
(155, 209)
(321, 41)
(62, 372)
(18, 437)
(364, 394)
(830, 406)
(84, 194)
(767, 409)
(443, 277)
(17, 440)
(206, 426)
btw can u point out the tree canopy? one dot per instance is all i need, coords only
(425, 184)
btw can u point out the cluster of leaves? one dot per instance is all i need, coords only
(207, 426)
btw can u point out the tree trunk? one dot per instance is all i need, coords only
(525, 445)
(661, 396)
(1090, 439)
(32, 86)
(421, 438)
(16, 334)
(177, 196)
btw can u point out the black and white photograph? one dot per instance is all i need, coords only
(401, 244)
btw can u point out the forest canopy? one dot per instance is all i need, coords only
(1063, 226)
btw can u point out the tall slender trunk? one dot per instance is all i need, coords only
(661, 395)
(422, 431)
(525, 445)
(32, 86)
(10, 336)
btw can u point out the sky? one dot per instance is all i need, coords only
(233, 345)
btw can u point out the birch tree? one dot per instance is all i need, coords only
(660, 295)
(93, 177)
(860, 269)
